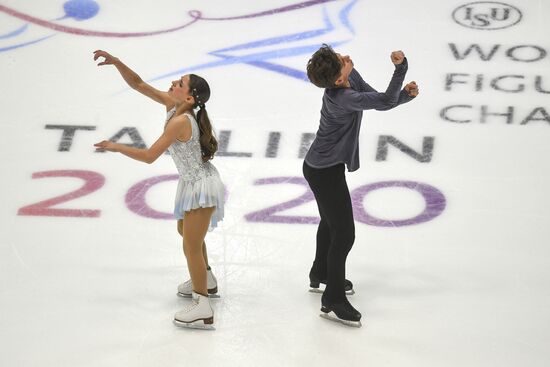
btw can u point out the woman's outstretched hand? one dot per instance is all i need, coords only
(105, 145)
(412, 89)
(109, 59)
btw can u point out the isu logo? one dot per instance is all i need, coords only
(487, 15)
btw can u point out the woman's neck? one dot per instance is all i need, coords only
(182, 108)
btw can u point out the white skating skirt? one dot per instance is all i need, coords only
(204, 193)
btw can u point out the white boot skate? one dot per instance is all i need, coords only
(198, 315)
(186, 289)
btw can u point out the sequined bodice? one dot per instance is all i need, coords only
(187, 155)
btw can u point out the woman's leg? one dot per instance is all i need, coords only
(204, 252)
(195, 225)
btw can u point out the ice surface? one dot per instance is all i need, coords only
(468, 285)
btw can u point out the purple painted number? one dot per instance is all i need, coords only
(435, 203)
(267, 215)
(135, 197)
(93, 181)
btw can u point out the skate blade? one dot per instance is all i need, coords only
(332, 317)
(316, 290)
(351, 292)
(183, 295)
(198, 325)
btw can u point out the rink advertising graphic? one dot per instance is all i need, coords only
(79, 10)
(255, 55)
(487, 15)
(135, 199)
(495, 16)
(82, 10)
(282, 46)
(421, 151)
(510, 83)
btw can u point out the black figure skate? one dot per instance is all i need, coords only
(314, 284)
(342, 312)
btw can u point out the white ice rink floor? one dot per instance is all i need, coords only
(451, 259)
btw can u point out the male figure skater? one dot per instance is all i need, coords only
(337, 144)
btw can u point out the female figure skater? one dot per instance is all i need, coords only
(337, 143)
(199, 203)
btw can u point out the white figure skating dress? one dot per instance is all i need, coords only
(199, 184)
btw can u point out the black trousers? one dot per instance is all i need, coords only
(336, 232)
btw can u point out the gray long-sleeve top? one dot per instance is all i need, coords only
(337, 140)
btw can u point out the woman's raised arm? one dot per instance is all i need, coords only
(134, 80)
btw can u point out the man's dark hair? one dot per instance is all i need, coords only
(323, 69)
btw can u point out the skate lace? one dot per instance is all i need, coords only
(194, 304)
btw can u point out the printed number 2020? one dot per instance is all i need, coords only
(135, 200)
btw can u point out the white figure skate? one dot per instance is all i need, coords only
(186, 289)
(198, 315)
